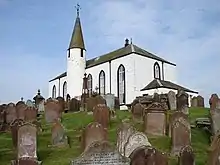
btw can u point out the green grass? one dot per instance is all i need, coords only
(74, 122)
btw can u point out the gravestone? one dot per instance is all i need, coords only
(3, 118)
(194, 102)
(147, 155)
(117, 103)
(123, 133)
(134, 141)
(101, 114)
(182, 102)
(30, 114)
(52, 110)
(213, 101)
(41, 106)
(101, 153)
(175, 116)
(93, 132)
(215, 122)
(172, 100)
(11, 113)
(29, 103)
(110, 101)
(155, 119)
(14, 130)
(137, 112)
(91, 102)
(180, 133)
(59, 138)
(74, 105)
(20, 108)
(200, 101)
(61, 102)
(186, 156)
(214, 151)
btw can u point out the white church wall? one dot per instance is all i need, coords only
(75, 72)
(144, 72)
(95, 71)
(51, 84)
(128, 63)
(62, 80)
(169, 73)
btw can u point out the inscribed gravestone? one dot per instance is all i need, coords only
(147, 155)
(172, 100)
(27, 141)
(137, 112)
(123, 133)
(180, 134)
(52, 110)
(135, 140)
(11, 113)
(214, 151)
(14, 130)
(101, 153)
(93, 101)
(101, 114)
(93, 132)
(155, 120)
(182, 102)
(58, 135)
(186, 156)
(110, 101)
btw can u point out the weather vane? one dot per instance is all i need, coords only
(77, 9)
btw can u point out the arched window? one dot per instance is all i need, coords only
(156, 70)
(102, 83)
(121, 83)
(54, 92)
(89, 84)
(64, 89)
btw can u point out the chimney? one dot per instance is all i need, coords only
(126, 42)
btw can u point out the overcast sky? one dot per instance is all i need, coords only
(34, 36)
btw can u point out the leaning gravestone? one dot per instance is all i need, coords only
(186, 156)
(135, 140)
(123, 133)
(59, 138)
(172, 100)
(101, 153)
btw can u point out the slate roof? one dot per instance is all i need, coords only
(121, 52)
(156, 83)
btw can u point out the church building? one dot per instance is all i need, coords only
(127, 72)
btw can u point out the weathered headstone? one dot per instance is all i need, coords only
(214, 151)
(182, 102)
(11, 113)
(213, 102)
(155, 119)
(194, 102)
(59, 138)
(101, 115)
(74, 105)
(91, 102)
(200, 101)
(123, 133)
(61, 102)
(93, 132)
(30, 114)
(20, 108)
(110, 101)
(147, 155)
(186, 156)
(3, 118)
(52, 110)
(137, 112)
(101, 153)
(14, 130)
(180, 133)
(215, 122)
(134, 141)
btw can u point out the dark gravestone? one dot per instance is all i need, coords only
(101, 153)
(182, 102)
(11, 113)
(146, 155)
(52, 110)
(186, 156)
(59, 138)
(74, 105)
(3, 118)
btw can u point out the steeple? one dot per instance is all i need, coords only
(77, 35)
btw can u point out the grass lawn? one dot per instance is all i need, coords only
(74, 122)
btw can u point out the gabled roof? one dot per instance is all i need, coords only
(58, 77)
(156, 83)
(126, 50)
(77, 40)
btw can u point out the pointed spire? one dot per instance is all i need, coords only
(77, 35)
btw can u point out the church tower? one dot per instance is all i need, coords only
(76, 60)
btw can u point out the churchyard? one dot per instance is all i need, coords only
(58, 132)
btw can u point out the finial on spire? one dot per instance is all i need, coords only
(131, 40)
(77, 9)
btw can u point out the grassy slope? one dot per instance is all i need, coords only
(74, 122)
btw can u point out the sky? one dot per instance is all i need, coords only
(34, 37)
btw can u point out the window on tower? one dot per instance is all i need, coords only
(81, 52)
